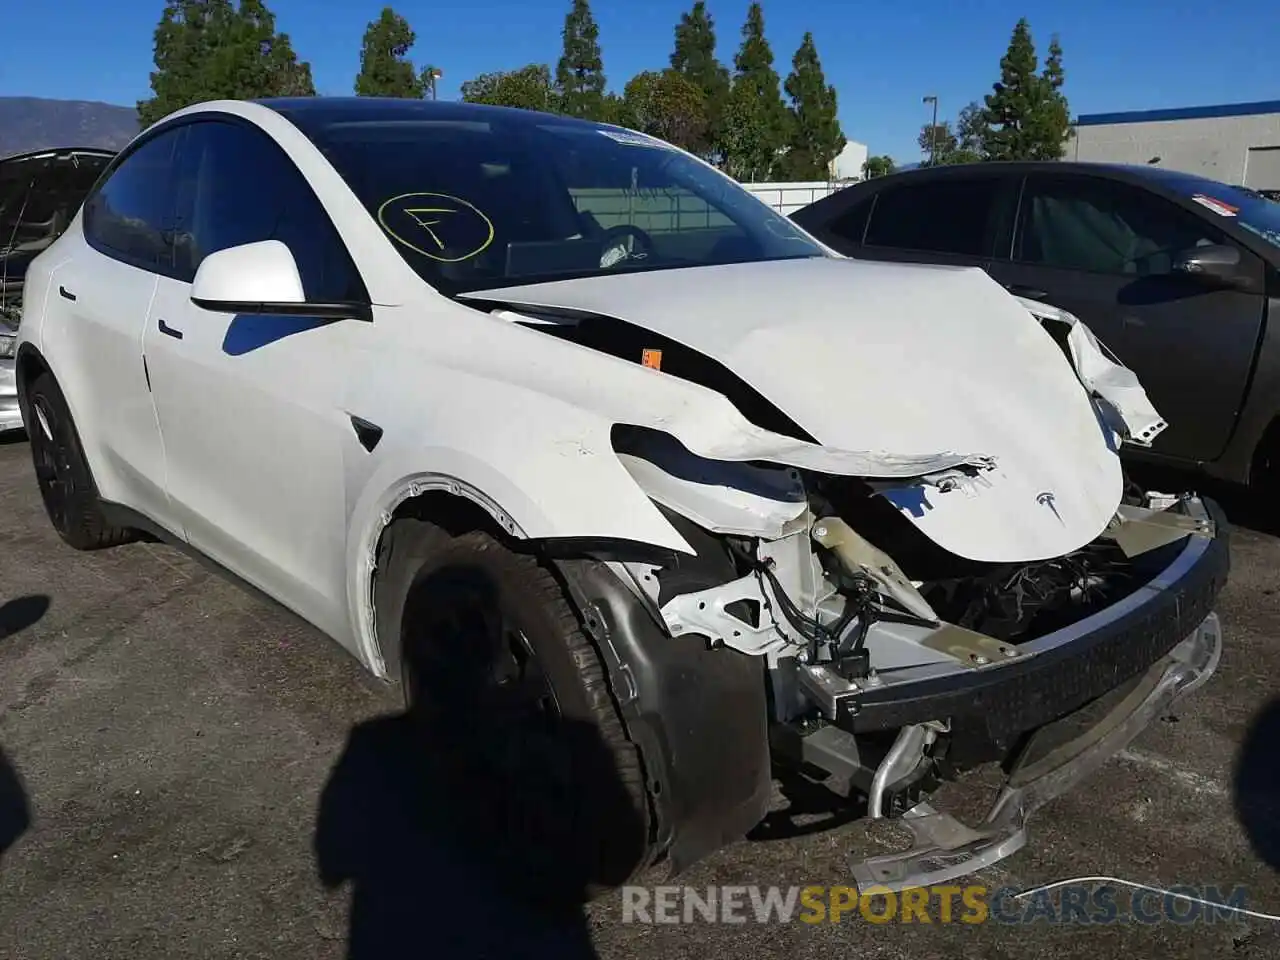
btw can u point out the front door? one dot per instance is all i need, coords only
(1103, 250)
(252, 405)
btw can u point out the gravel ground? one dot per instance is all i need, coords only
(168, 744)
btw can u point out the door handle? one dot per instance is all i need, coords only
(66, 294)
(1031, 293)
(169, 331)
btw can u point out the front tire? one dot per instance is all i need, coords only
(502, 680)
(66, 486)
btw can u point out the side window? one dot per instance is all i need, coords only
(1082, 223)
(236, 186)
(943, 216)
(127, 216)
(851, 225)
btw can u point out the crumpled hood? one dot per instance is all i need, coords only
(895, 358)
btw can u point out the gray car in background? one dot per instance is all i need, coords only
(1178, 276)
(40, 193)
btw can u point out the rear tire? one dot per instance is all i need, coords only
(66, 486)
(504, 683)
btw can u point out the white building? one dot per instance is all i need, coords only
(848, 165)
(1236, 143)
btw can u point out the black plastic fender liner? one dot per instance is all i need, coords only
(698, 715)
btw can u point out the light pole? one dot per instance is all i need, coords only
(933, 127)
(434, 73)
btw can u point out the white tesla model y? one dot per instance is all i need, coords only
(562, 429)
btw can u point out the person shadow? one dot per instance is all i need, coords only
(1256, 793)
(15, 814)
(448, 858)
(471, 825)
(15, 811)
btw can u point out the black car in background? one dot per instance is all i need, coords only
(1178, 275)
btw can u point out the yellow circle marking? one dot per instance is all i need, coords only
(428, 215)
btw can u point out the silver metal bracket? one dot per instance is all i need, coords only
(1138, 530)
(946, 850)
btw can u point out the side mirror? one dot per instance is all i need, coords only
(262, 278)
(1214, 263)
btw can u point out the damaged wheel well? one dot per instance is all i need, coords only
(450, 512)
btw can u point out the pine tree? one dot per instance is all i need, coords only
(815, 136)
(1054, 118)
(580, 79)
(384, 69)
(210, 49)
(755, 118)
(1026, 114)
(694, 57)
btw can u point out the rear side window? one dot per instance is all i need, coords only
(944, 216)
(127, 215)
(235, 186)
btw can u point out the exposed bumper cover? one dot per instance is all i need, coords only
(946, 849)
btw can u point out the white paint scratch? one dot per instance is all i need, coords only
(1195, 782)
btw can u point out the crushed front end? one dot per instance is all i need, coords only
(894, 663)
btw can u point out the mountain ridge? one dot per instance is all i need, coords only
(37, 123)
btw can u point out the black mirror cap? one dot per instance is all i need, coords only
(346, 310)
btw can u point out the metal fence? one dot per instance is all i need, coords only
(672, 209)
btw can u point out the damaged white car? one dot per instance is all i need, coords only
(592, 451)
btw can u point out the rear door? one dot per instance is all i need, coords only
(959, 220)
(1103, 250)
(97, 305)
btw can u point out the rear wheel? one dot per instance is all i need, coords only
(503, 681)
(66, 485)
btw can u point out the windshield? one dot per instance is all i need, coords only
(472, 204)
(1250, 209)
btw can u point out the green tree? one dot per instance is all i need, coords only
(580, 79)
(972, 133)
(877, 167)
(694, 57)
(937, 142)
(614, 109)
(212, 49)
(384, 69)
(963, 142)
(1026, 113)
(1054, 119)
(528, 88)
(666, 105)
(815, 137)
(755, 119)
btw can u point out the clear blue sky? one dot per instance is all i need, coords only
(882, 57)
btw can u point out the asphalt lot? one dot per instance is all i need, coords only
(173, 738)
